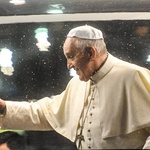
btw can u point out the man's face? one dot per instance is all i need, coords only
(4, 147)
(77, 59)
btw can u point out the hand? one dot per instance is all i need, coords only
(2, 106)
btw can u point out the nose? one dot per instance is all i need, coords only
(69, 65)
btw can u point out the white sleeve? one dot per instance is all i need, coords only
(147, 143)
(24, 116)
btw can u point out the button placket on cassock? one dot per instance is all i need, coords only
(88, 140)
(87, 118)
(90, 120)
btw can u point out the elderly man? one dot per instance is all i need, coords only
(106, 106)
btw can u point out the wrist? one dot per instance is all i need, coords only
(2, 111)
(2, 107)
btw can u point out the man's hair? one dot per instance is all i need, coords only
(13, 140)
(84, 43)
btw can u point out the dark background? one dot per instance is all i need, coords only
(38, 74)
(73, 6)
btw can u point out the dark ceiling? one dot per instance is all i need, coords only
(74, 6)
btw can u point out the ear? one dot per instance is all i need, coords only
(91, 51)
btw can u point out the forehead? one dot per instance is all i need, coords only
(69, 46)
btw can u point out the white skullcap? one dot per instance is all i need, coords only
(86, 32)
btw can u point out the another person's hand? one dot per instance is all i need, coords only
(2, 106)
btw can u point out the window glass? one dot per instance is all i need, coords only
(39, 73)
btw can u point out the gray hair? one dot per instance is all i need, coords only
(84, 43)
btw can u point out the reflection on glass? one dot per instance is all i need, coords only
(6, 61)
(17, 2)
(148, 58)
(41, 34)
(56, 9)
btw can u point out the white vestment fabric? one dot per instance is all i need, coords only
(118, 117)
